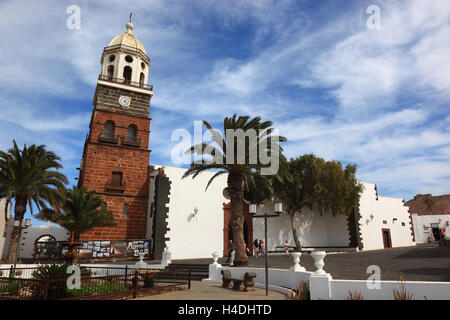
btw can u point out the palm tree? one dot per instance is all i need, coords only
(429, 201)
(80, 211)
(29, 176)
(224, 157)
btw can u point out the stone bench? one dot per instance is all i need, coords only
(247, 280)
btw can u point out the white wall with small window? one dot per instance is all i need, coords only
(384, 221)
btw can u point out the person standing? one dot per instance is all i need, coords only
(230, 250)
(262, 248)
(256, 247)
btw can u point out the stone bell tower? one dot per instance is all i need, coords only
(116, 154)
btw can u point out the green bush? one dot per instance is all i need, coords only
(56, 290)
(11, 288)
(104, 288)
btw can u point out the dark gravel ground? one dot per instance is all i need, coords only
(419, 263)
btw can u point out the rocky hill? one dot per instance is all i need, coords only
(441, 204)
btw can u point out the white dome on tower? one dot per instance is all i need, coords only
(128, 39)
(125, 61)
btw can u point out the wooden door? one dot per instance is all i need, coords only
(386, 238)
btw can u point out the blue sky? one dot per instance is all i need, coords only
(375, 97)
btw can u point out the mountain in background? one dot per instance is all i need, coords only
(418, 205)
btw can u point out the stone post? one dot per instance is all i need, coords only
(215, 268)
(166, 257)
(318, 257)
(297, 267)
(320, 281)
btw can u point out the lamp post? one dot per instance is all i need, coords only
(278, 209)
(21, 227)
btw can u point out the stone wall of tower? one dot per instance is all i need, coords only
(101, 159)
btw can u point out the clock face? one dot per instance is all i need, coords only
(124, 101)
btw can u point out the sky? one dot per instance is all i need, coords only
(331, 83)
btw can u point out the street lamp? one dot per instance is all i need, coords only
(22, 226)
(278, 208)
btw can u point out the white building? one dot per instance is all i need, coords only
(193, 222)
(5, 229)
(34, 234)
(379, 222)
(424, 225)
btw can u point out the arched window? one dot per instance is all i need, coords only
(110, 72)
(132, 133)
(109, 130)
(125, 210)
(127, 73)
(142, 79)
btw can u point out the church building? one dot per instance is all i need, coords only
(153, 205)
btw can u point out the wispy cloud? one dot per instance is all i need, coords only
(375, 97)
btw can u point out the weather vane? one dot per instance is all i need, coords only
(131, 13)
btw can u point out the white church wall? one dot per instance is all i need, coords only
(422, 227)
(3, 225)
(30, 235)
(313, 229)
(198, 236)
(384, 211)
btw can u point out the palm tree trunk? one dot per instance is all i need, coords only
(19, 211)
(236, 190)
(294, 231)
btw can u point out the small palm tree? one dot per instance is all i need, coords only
(223, 156)
(29, 176)
(80, 211)
(429, 201)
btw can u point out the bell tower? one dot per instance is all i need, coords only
(116, 153)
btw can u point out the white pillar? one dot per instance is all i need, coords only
(166, 257)
(297, 267)
(232, 258)
(318, 257)
(320, 286)
(214, 269)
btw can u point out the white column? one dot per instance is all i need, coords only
(320, 286)
(166, 257)
(214, 269)
(320, 281)
(297, 267)
(318, 257)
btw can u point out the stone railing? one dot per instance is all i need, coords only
(323, 287)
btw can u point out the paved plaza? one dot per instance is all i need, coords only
(418, 263)
(426, 262)
(213, 291)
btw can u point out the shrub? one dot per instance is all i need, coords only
(10, 286)
(402, 294)
(302, 293)
(57, 289)
(354, 296)
(103, 288)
